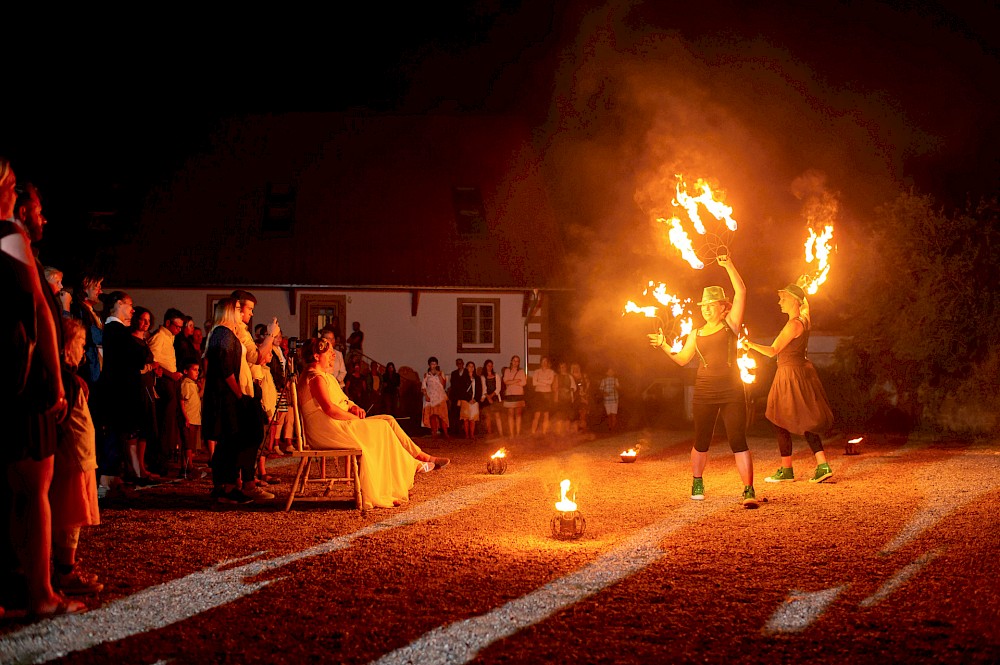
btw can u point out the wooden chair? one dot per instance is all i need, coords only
(310, 458)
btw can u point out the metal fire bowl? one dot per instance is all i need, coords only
(568, 526)
(629, 459)
(496, 465)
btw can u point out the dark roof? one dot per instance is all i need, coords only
(372, 203)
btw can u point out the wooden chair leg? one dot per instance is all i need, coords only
(357, 482)
(295, 484)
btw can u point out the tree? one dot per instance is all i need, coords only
(927, 311)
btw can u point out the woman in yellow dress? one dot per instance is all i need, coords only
(389, 457)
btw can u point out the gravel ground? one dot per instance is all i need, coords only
(893, 559)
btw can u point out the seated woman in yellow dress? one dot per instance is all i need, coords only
(389, 459)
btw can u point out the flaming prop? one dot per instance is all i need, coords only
(630, 455)
(713, 244)
(681, 317)
(746, 362)
(818, 249)
(819, 208)
(852, 446)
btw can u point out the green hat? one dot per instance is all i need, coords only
(795, 291)
(713, 294)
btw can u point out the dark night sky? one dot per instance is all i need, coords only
(878, 97)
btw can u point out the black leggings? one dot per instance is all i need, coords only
(785, 442)
(734, 417)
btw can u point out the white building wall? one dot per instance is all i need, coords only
(391, 334)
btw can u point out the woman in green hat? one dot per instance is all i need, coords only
(797, 402)
(718, 389)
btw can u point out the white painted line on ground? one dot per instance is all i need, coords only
(900, 578)
(177, 600)
(800, 610)
(462, 641)
(949, 489)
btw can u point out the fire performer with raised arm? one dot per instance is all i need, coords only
(797, 402)
(718, 388)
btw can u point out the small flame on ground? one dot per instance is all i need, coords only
(564, 504)
(631, 452)
(500, 453)
(857, 440)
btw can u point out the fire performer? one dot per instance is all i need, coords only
(718, 389)
(797, 402)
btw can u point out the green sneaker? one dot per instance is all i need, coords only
(823, 471)
(784, 474)
(698, 489)
(749, 497)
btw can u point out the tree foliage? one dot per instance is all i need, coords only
(927, 310)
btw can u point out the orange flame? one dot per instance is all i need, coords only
(565, 505)
(682, 241)
(818, 249)
(857, 440)
(648, 312)
(746, 362)
(676, 306)
(500, 453)
(716, 208)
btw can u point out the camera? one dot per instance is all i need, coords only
(293, 345)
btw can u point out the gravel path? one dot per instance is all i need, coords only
(893, 559)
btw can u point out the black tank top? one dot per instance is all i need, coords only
(718, 380)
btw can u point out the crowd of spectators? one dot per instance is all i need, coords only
(100, 397)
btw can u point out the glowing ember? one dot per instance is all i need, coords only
(746, 362)
(565, 505)
(498, 454)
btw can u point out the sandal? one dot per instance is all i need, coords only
(63, 606)
(77, 584)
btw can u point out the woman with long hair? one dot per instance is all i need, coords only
(389, 458)
(797, 403)
(491, 395)
(718, 388)
(514, 381)
(142, 323)
(470, 392)
(225, 357)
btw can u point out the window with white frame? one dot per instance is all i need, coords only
(479, 325)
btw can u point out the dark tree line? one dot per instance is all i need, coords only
(925, 327)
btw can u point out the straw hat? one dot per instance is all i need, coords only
(795, 291)
(713, 294)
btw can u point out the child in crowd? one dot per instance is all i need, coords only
(73, 493)
(191, 407)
